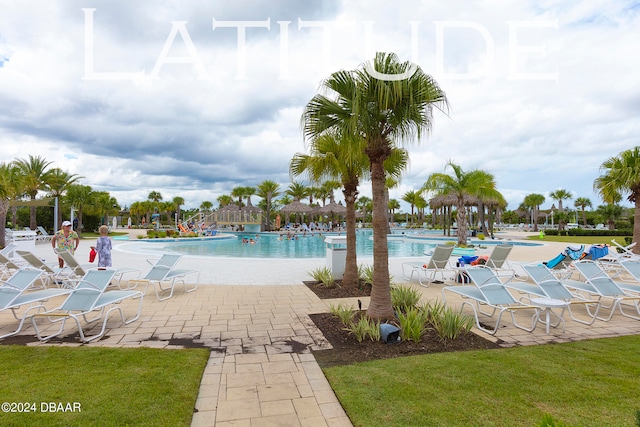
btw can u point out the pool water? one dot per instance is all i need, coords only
(271, 245)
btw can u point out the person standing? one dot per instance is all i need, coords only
(65, 240)
(103, 247)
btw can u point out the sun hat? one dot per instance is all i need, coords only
(66, 223)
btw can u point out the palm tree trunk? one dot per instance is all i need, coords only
(350, 277)
(380, 305)
(636, 225)
(462, 223)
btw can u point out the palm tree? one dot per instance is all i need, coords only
(610, 212)
(138, 210)
(154, 196)
(10, 186)
(224, 200)
(411, 198)
(238, 192)
(621, 175)
(268, 190)
(206, 206)
(79, 196)
(177, 203)
(58, 181)
(560, 194)
(393, 206)
(382, 102)
(534, 201)
(365, 205)
(298, 191)
(34, 170)
(583, 202)
(340, 157)
(248, 192)
(476, 183)
(104, 204)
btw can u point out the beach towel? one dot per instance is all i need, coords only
(552, 263)
(598, 251)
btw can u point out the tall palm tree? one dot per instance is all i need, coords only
(339, 157)
(248, 192)
(476, 183)
(58, 181)
(298, 191)
(177, 204)
(383, 102)
(34, 170)
(582, 203)
(411, 197)
(10, 186)
(365, 204)
(154, 196)
(79, 196)
(239, 193)
(534, 201)
(560, 194)
(104, 204)
(268, 190)
(621, 174)
(224, 200)
(206, 206)
(393, 205)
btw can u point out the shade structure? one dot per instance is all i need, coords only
(333, 208)
(296, 207)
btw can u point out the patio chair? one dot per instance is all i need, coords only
(488, 291)
(7, 266)
(548, 286)
(438, 263)
(632, 268)
(15, 293)
(626, 251)
(163, 279)
(498, 261)
(599, 284)
(168, 260)
(89, 296)
(42, 236)
(53, 275)
(78, 271)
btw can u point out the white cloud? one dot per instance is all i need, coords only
(199, 136)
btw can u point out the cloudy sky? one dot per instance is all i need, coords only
(194, 98)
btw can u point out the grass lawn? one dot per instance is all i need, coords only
(584, 383)
(587, 240)
(112, 386)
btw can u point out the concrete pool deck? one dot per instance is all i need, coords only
(253, 316)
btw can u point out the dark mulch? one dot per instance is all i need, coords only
(347, 350)
(339, 291)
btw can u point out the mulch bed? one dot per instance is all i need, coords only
(347, 350)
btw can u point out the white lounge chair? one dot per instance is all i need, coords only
(498, 261)
(7, 266)
(600, 285)
(42, 236)
(15, 295)
(53, 275)
(488, 291)
(437, 263)
(89, 296)
(78, 270)
(163, 279)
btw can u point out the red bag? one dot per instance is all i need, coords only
(92, 255)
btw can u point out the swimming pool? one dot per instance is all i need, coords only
(271, 245)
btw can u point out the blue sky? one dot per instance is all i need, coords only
(541, 92)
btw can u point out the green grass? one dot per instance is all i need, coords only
(114, 387)
(587, 240)
(584, 383)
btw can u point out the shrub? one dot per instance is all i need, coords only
(404, 298)
(365, 272)
(324, 275)
(481, 236)
(343, 312)
(450, 324)
(364, 328)
(412, 324)
(433, 310)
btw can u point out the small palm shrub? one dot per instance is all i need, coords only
(450, 324)
(364, 328)
(365, 272)
(343, 312)
(324, 275)
(412, 324)
(404, 298)
(433, 310)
